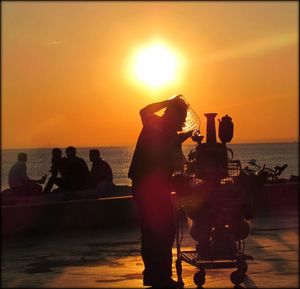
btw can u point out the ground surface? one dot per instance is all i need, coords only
(111, 259)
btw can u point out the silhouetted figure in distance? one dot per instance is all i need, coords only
(157, 155)
(59, 166)
(77, 173)
(101, 176)
(19, 182)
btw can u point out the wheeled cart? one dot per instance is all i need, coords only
(217, 195)
(237, 261)
(229, 212)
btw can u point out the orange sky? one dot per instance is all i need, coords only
(66, 68)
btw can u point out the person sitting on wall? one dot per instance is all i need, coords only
(59, 166)
(101, 176)
(20, 183)
(77, 172)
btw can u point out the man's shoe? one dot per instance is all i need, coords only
(147, 282)
(168, 283)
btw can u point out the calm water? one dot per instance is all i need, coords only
(38, 162)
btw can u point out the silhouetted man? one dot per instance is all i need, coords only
(77, 173)
(101, 176)
(18, 180)
(157, 155)
(59, 166)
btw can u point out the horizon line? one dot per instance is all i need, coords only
(132, 145)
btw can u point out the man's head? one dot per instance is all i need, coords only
(175, 114)
(56, 153)
(70, 152)
(22, 157)
(94, 154)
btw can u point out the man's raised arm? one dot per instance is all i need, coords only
(152, 108)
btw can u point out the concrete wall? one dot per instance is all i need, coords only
(64, 215)
(110, 212)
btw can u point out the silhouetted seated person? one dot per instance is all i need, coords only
(59, 167)
(20, 183)
(77, 173)
(101, 177)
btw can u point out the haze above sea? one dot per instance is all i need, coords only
(39, 159)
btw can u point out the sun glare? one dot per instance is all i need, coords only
(155, 65)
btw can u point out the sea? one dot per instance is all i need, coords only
(119, 158)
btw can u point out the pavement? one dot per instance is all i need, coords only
(110, 258)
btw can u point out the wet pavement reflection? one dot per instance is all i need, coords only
(111, 258)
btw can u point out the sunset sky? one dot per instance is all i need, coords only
(69, 69)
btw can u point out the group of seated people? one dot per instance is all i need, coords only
(68, 173)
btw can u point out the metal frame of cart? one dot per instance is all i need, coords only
(191, 257)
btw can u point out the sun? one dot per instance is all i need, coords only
(155, 65)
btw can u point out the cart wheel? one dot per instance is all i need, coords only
(237, 277)
(199, 278)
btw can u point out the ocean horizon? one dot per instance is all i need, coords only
(133, 145)
(119, 157)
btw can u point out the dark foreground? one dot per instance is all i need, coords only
(110, 258)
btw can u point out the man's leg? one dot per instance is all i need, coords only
(32, 189)
(62, 185)
(157, 241)
(166, 237)
(49, 185)
(157, 227)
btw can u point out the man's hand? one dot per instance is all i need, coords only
(185, 135)
(177, 97)
(196, 136)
